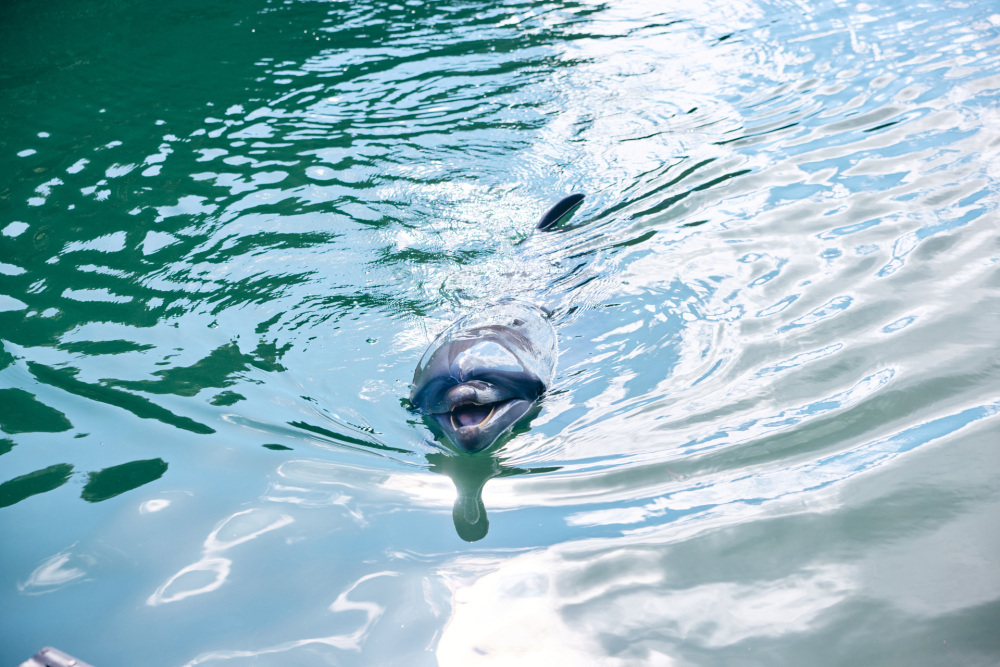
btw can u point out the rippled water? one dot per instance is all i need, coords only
(229, 229)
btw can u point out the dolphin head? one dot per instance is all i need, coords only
(484, 373)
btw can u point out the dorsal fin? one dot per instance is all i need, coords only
(560, 212)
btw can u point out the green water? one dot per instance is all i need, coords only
(228, 230)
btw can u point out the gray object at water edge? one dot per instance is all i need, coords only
(53, 657)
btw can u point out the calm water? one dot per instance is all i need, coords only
(229, 229)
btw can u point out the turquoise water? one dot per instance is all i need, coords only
(228, 230)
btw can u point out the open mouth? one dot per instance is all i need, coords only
(471, 414)
(474, 425)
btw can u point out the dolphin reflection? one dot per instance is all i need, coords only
(470, 474)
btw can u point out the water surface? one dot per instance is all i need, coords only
(228, 230)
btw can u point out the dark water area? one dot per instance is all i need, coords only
(228, 231)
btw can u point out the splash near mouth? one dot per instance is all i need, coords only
(471, 414)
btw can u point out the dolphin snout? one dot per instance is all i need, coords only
(474, 391)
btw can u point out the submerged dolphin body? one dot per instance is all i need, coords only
(487, 370)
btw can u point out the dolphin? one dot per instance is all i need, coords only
(487, 370)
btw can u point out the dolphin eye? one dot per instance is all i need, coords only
(518, 322)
